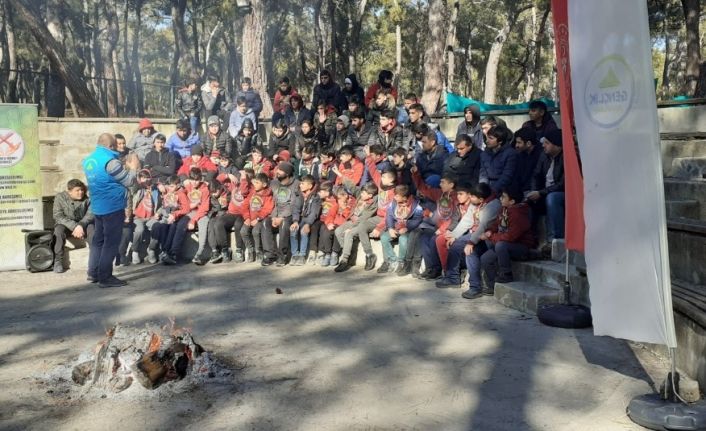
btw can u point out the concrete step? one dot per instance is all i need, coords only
(688, 208)
(689, 168)
(552, 274)
(682, 190)
(677, 149)
(527, 296)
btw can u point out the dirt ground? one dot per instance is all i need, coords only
(352, 351)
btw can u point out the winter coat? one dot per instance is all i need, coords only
(539, 180)
(175, 203)
(474, 132)
(188, 104)
(295, 119)
(389, 141)
(253, 100)
(259, 205)
(242, 146)
(432, 163)
(139, 195)
(465, 169)
(162, 164)
(70, 213)
(141, 145)
(265, 167)
(331, 95)
(498, 168)
(548, 124)
(526, 164)
(182, 147)
(306, 208)
(373, 89)
(239, 194)
(284, 142)
(311, 167)
(356, 90)
(405, 216)
(285, 196)
(337, 140)
(513, 224)
(220, 142)
(236, 121)
(281, 102)
(215, 105)
(325, 130)
(302, 140)
(204, 163)
(351, 172)
(358, 139)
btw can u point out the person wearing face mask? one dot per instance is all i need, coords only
(285, 190)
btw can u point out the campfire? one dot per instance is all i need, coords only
(150, 356)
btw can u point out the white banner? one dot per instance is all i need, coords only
(618, 133)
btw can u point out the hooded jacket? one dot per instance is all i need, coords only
(330, 94)
(175, 203)
(259, 205)
(204, 163)
(237, 119)
(475, 132)
(200, 197)
(356, 90)
(281, 102)
(253, 100)
(329, 208)
(239, 195)
(285, 196)
(404, 216)
(446, 203)
(513, 225)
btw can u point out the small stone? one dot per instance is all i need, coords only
(278, 291)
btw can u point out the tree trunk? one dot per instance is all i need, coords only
(451, 45)
(182, 53)
(491, 67)
(208, 49)
(56, 91)
(111, 38)
(129, 76)
(434, 56)
(11, 55)
(84, 99)
(667, 63)
(195, 35)
(254, 53)
(318, 37)
(355, 22)
(692, 14)
(701, 83)
(135, 54)
(535, 70)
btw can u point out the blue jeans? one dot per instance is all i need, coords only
(298, 242)
(453, 266)
(105, 244)
(389, 252)
(555, 215)
(429, 252)
(473, 263)
(195, 121)
(499, 258)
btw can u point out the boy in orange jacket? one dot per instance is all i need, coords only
(259, 206)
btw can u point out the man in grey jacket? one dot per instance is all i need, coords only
(468, 231)
(72, 216)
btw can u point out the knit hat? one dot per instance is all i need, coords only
(555, 137)
(215, 153)
(287, 168)
(197, 150)
(345, 120)
(145, 123)
(284, 155)
(213, 119)
(348, 81)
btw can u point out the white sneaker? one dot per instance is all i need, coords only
(135, 258)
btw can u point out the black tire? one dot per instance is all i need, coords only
(565, 316)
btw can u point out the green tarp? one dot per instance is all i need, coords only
(456, 103)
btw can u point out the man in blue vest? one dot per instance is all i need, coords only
(108, 180)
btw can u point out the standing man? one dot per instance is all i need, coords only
(252, 97)
(108, 180)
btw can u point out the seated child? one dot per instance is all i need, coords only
(258, 206)
(350, 170)
(403, 216)
(307, 207)
(365, 209)
(175, 205)
(72, 216)
(146, 203)
(232, 219)
(259, 164)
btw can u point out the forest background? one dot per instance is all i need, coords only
(130, 57)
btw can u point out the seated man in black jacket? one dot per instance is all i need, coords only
(72, 216)
(464, 163)
(161, 162)
(548, 185)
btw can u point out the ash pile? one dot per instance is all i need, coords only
(151, 360)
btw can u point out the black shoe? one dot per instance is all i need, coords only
(404, 268)
(431, 274)
(216, 257)
(370, 261)
(59, 267)
(342, 266)
(416, 265)
(267, 261)
(472, 293)
(167, 259)
(384, 268)
(112, 281)
(227, 257)
(488, 291)
(446, 282)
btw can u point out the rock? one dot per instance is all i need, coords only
(82, 372)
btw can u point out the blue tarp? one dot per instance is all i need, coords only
(456, 103)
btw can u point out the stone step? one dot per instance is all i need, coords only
(527, 296)
(688, 208)
(683, 190)
(677, 149)
(552, 274)
(689, 168)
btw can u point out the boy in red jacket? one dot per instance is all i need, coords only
(175, 205)
(329, 206)
(350, 170)
(259, 163)
(233, 219)
(509, 238)
(258, 207)
(197, 160)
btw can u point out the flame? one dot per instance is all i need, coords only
(155, 343)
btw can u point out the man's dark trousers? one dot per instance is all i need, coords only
(105, 244)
